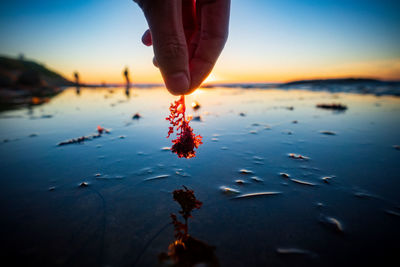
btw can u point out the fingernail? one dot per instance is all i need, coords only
(177, 83)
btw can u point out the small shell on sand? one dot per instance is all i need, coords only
(258, 194)
(228, 190)
(245, 171)
(284, 175)
(157, 177)
(240, 181)
(393, 213)
(302, 182)
(327, 179)
(256, 179)
(294, 251)
(332, 223)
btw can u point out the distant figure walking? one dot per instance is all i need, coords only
(78, 88)
(127, 80)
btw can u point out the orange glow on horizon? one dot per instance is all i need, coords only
(223, 73)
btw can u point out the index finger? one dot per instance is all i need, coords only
(169, 42)
(214, 27)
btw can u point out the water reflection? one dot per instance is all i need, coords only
(127, 81)
(77, 83)
(186, 250)
(253, 187)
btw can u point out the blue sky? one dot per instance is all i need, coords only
(269, 40)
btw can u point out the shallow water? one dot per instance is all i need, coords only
(122, 216)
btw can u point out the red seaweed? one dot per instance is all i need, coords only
(186, 141)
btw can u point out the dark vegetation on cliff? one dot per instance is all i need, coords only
(27, 82)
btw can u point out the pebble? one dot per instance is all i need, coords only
(239, 181)
(327, 132)
(84, 184)
(284, 175)
(327, 179)
(136, 116)
(197, 118)
(195, 105)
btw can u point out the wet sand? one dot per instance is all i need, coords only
(283, 183)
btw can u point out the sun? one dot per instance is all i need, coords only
(212, 78)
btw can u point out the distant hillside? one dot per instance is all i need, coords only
(24, 82)
(346, 81)
(350, 85)
(16, 71)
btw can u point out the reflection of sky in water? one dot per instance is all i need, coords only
(119, 212)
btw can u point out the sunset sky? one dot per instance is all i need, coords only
(269, 41)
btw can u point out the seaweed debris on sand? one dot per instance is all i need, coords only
(332, 106)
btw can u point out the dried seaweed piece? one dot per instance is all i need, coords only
(297, 156)
(186, 141)
(333, 106)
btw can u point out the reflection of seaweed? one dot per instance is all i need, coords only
(188, 202)
(187, 250)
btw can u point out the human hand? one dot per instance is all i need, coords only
(187, 37)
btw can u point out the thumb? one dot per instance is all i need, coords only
(169, 43)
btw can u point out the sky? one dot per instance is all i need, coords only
(269, 41)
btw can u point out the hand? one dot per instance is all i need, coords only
(187, 38)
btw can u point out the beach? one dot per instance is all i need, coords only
(282, 181)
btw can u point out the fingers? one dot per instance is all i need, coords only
(147, 41)
(189, 19)
(146, 38)
(169, 42)
(155, 63)
(208, 44)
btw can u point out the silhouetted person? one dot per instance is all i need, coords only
(127, 80)
(180, 40)
(77, 85)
